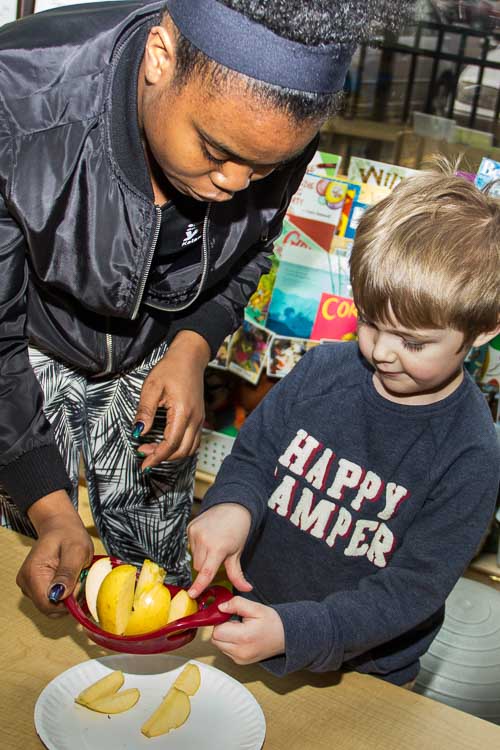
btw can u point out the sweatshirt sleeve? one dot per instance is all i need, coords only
(221, 313)
(436, 550)
(30, 462)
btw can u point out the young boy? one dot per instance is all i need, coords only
(360, 488)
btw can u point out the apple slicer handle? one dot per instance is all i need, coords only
(206, 615)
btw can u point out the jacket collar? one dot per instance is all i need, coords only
(126, 141)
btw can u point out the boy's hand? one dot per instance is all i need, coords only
(175, 383)
(215, 537)
(259, 636)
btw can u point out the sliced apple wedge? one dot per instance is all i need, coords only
(189, 679)
(115, 599)
(104, 687)
(172, 713)
(97, 573)
(150, 611)
(116, 703)
(181, 606)
(150, 574)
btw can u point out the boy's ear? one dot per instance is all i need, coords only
(483, 338)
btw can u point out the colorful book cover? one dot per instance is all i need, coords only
(248, 351)
(293, 236)
(220, 359)
(284, 353)
(377, 172)
(316, 208)
(336, 319)
(368, 196)
(346, 226)
(489, 170)
(258, 304)
(325, 164)
(303, 275)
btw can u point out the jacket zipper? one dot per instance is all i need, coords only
(109, 354)
(204, 272)
(149, 261)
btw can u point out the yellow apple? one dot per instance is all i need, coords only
(115, 598)
(172, 712)
(150, 574)
(116, 703)
(97, 573)
(189, 679)
(150, 611)
(181, 606)
(105, 686)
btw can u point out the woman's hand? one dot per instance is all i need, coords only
(57, 557)
(175, 383)
(260, 634)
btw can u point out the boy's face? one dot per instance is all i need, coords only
(412, 366)
(209, 143)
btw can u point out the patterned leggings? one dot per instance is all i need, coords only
(136, 516)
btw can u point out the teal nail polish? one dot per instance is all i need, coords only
(147, 470)
(138, 428)
(141, 454)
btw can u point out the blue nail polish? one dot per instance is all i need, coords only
(56, 591)
(138, 428)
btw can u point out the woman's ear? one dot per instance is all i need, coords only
(159, 55)
(483, 338)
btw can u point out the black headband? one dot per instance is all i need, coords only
(233, 40)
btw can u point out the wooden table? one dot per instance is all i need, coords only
(303, 712)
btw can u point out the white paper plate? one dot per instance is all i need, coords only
(224, 714)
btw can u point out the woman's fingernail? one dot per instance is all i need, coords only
(56, 591)
(141, 454)
(147, 470)
(138, 428)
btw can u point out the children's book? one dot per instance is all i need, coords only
(293, 236)
(303, 275)
(284, 353)
(248, 351)
(489, 170)
(325, 164)
(258, 304)
(336, 319)
(318, 207)
(220, 359)
(378, 173)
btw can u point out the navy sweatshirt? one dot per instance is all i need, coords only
(364, 512)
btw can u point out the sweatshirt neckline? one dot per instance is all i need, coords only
(415, 410)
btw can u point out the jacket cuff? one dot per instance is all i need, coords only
(34, 475)
(210, 320)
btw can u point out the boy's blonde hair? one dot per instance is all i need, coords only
(430, 253)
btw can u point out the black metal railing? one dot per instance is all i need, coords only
(384, 83)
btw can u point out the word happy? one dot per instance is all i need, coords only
(325, 519)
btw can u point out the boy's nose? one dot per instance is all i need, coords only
(232, 177)
(383, 351)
